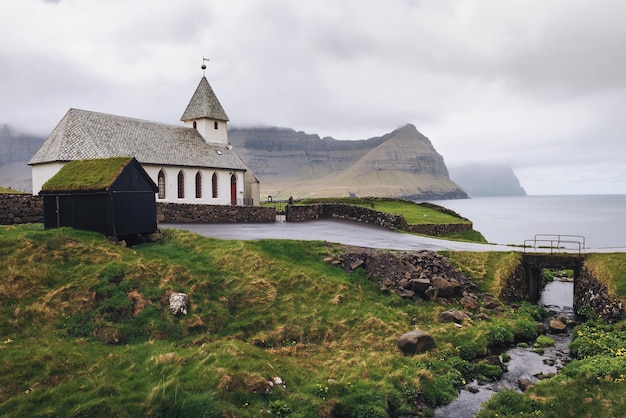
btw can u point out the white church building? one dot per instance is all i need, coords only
(193, 163)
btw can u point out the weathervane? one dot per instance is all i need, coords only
(203, 66)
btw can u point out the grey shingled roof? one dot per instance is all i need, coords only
(83, 134)
(204, 104)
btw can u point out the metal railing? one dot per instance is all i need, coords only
(556, 243)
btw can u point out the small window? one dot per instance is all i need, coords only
(215, 125)
(195, 125)
(161, 184)
(198, 185)
(214, 186)
(181, 184)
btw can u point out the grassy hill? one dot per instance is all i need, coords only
(86, 331)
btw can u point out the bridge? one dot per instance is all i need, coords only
(552, 251)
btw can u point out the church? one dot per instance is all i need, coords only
(193, 163)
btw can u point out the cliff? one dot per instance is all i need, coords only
(487, 180)
(402, 164)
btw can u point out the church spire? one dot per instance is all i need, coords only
(205, 113)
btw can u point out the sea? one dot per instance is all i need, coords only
(599, 219)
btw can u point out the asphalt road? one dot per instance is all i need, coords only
(343, 232)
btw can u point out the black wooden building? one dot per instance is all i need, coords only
(114, 196)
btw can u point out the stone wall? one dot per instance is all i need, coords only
(20, 209)
(588, 291)
(26, 208)
(370, 216)
(190, 213)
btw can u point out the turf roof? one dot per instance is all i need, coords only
(87, 175)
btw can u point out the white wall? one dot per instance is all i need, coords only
(42, 172)
(206, 128)
(223, 187)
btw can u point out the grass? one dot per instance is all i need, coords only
(413, 213)
(86, 175)
(5, 190)
(85, 330)
(610, 268)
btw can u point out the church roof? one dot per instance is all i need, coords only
(204, 104)
(83, 135)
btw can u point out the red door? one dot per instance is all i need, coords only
(233, 190)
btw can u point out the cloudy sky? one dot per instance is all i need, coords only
(539, 85)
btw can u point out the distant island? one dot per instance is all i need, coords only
(480, 180)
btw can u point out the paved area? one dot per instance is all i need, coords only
(343, 232)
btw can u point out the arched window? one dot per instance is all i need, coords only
(215, 125)
(181, 184)
(214, 186)
(198, 185)
(161, 184)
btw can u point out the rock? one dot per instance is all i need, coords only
(541, 329)
(356, 264)
(557, 326)
(524, 383)
(452, 315)
(415, 341)
(407, 294)
(470, 303)
(446, 288)
(178, 303)
(483, 316)
(431, 293)
(419, 286)
(490, 302)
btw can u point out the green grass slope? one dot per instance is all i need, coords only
(85, 330)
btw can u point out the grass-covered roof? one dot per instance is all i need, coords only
(87, 175)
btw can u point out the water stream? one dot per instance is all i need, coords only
(525, 366)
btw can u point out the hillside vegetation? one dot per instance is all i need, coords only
(86, 331)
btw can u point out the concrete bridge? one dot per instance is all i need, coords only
(551, 251)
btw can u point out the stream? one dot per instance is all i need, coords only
(525, 365)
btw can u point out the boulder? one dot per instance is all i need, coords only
(419, 286)
(415, 341)
(445, 288)
(470, 303)
(557, 326)
(178, 303)
(490, 302)
(452, 315)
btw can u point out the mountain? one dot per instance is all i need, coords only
(15, 152)
(401, 164)
(487, 180)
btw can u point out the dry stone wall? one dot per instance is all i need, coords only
(372, 216)
(189, 213)
(590, 292)
(26, 208)
(20, 209)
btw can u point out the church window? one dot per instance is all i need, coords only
(161, 184)
(214, 186)
(215, 125)
(198, 185)
(181, 184)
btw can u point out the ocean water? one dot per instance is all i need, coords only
(600, 219)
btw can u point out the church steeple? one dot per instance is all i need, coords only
(205, 113)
